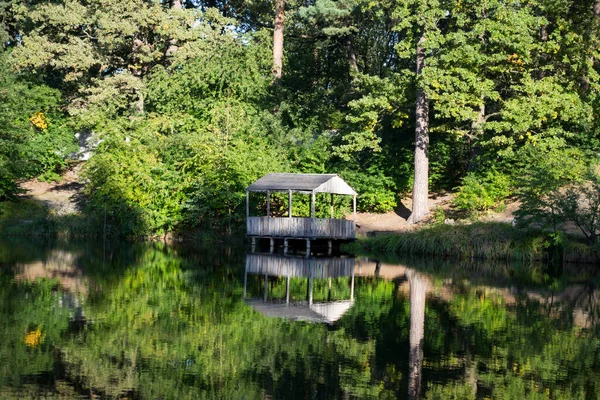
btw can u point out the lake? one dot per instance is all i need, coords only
(155, 321)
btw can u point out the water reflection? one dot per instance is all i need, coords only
(167, 322)
(309, 269)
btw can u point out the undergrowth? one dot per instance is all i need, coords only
(481, 240)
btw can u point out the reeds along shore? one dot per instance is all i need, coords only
(492, 241)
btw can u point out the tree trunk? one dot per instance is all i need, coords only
(278, 40)
(351, 54)
(418, 290)
(138, 105)
(471, 374)
(476, 133)
(175, 5)
(420, 208)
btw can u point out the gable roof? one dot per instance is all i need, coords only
(319, 183)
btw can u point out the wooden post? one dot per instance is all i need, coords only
(287, 291)
(266, 286)
(312, 204)
(253, 244)
(352, 287)
(354, 209)
(307, 247)
(271, 245)
(268, 203)
(331, 207)
(329, 290)
(310, 291)
(285, 247)
(247, 204)
(290, 203)
(329, 249)
(307, 289)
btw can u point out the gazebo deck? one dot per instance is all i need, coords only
(295, 227)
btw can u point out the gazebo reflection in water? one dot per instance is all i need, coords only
(306, 271)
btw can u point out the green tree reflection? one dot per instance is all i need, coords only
(160, 322)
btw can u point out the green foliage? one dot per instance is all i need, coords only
(439, 215)
(580, 203)
(35, 137)
(456, 391)
(547, 168)
(188, 115)
(375, 189)
(482, 193)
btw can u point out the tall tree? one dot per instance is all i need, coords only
(278, 39)
(103, 51)
(419, 21)
(336, 21)
(420, 195)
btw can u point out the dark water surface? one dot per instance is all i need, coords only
(151, 321)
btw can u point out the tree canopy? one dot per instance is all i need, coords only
(182, 99)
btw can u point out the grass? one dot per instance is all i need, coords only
(31, 218)
(481, 240)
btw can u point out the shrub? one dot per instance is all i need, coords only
(375, 190)
(482, 193)
(580, 204)
(544, 181)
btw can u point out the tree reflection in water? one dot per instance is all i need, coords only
(161, 322)
(418, 291)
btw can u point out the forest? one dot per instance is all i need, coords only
(187, 102)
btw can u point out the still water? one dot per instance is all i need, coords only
(151, 321)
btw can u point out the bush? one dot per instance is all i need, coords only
(482, 193)
(34, 136)
(580, 204)
(375, 190)
(544, 181)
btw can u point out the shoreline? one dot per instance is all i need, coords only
(480, 241)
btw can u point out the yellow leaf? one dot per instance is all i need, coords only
(34, 338)
(39, 120)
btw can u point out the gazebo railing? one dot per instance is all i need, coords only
(326, 228)
(306, 267)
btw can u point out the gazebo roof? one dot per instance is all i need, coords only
(319, 183)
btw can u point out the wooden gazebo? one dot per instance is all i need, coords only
(291, 227)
